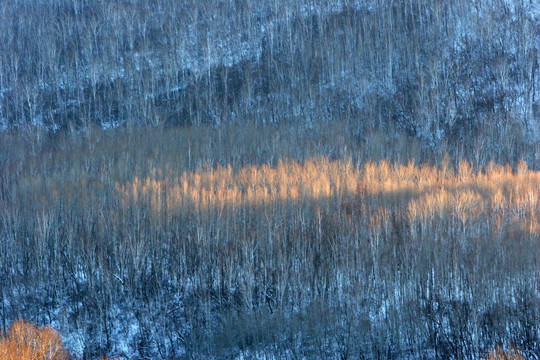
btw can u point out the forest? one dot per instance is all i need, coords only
(246, 179)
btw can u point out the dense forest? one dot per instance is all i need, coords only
(138, 243)
(255, 179)
(462, 74)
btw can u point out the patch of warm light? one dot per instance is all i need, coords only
(25, 341)
(425, 192)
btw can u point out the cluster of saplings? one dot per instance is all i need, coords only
(212, 243)
(26, 341)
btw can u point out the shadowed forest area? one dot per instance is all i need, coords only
(458, 74)
(289, 179)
